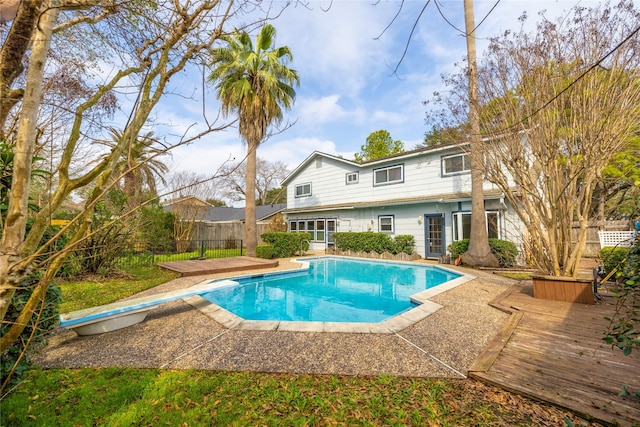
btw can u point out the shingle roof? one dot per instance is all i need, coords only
(221, 214)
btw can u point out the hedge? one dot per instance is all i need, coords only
(286, 244)
(505, 251)
(374, 242)
(265, 251)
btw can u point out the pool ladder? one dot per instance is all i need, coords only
(302, 251)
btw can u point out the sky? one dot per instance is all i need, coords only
(345, 53)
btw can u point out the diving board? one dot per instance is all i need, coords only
(120, 314)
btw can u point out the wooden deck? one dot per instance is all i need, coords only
(553, 351)
(198, 267)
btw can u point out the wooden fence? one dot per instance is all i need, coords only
(225, 231)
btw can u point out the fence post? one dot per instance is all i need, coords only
(240, 247)
(202, 249)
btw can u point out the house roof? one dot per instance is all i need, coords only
(226, 214)
(403, 155)
(185, 199)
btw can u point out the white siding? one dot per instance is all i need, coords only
(422, 178)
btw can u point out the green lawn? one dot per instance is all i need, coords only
(97, 290)
(148, 259)
(151, 397)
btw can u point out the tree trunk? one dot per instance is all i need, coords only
(16, 222)
(602, 198)
(251, 235)
(479, 253)
(12, 55)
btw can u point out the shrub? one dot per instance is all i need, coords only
(265, 251)
(362, 242)
(374, 242)
(44, 324)
(612, 257)
(505, 251)
(458, 247)
(624, 330)
(287, 244)
(404, 243)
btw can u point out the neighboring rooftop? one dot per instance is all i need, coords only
(224, 214)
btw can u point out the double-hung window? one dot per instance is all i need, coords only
(456, 163)
(389, 175)
(386, 224)
(303, 190)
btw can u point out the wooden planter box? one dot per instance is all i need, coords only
(563, 289)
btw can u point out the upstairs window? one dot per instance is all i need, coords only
(352, 178)
(388, 175)
(456, 163)
(303, 190)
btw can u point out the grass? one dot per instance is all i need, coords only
(128, 396)
(109, 397)
(98, 290)
(147, 259)
(516, 276)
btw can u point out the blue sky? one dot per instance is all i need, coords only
(345, 59)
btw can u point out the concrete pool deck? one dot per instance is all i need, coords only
(178, 336)
(391, 325)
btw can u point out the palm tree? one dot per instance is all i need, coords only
(479, 253)
(255, 82)
(139, 166)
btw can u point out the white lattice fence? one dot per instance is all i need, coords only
(616, 238)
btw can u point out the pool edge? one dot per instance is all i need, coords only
(401, 321)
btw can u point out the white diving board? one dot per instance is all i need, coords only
(118, 315)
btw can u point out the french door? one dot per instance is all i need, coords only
(435, 244)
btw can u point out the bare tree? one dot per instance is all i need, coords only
(558, 104)
(190, 192)
(269, 175)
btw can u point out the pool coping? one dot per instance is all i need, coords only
(392, 325)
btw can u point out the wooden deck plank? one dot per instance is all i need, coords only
(199, 267)
(597, 399)
(555, 353)
(491, 352)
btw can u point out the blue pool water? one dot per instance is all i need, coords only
(331, 290)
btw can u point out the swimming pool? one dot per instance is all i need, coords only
(332, 289)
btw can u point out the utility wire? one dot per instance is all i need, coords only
(463, 32)
(415, 24)
(485, 17)
(413, 29)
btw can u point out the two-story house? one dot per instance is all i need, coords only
(424, 192)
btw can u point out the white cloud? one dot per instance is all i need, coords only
(293, 151)
(347, 89)
(321, 110)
